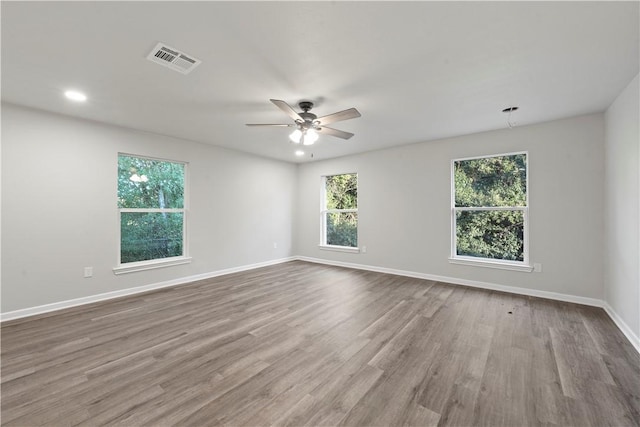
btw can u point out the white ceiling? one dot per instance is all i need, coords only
(417, 71)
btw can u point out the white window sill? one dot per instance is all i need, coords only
(132, 267)
(502, 265)
(347, 249)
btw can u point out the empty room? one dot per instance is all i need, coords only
(320, 213)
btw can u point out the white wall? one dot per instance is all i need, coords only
(622, 207)
(59, 207)
(59, 214)
(404, 205)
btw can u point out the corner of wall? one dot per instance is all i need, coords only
(621, 207)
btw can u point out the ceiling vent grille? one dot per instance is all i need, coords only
(173, 58)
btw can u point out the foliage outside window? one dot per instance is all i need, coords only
(490, 209)
(151, 208)
(339, 214)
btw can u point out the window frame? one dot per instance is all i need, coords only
(454, 258)
(129, 267)
(324, 211)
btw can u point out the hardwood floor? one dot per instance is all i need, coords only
(305, 344)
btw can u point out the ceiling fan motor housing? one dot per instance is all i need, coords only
(309, 118)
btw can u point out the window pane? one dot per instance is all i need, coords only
(145, 236)
(490, 234)
(491, 181)
(342, 229)
(342, 191)
(147, 183)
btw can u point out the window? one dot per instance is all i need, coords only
(151, 206)
(490, 211)
(339, 212)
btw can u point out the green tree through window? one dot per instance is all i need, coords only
(340, 210)
(151, 207)
(490, 207)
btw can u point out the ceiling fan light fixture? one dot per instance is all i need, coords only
(310, 136)
(295, 136)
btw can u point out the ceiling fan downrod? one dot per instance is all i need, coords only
(307, 117)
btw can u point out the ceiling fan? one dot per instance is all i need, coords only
(307, 125)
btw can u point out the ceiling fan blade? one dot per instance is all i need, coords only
(269, 124)
(334, 132)
(287, 109)
(351, 113)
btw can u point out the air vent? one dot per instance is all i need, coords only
(173, 58)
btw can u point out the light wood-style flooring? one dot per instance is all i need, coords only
(306, 344)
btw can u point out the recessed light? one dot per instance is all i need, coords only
(299, 153)
(74, 95)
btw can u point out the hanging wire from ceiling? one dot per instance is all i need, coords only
(509, 111)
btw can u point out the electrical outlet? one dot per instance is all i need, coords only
(537, 267)
(88, 272)
(363, 249)
(275, 245)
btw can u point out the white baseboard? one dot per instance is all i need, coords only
(465, 282)
(41, 309)
(626, 330)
